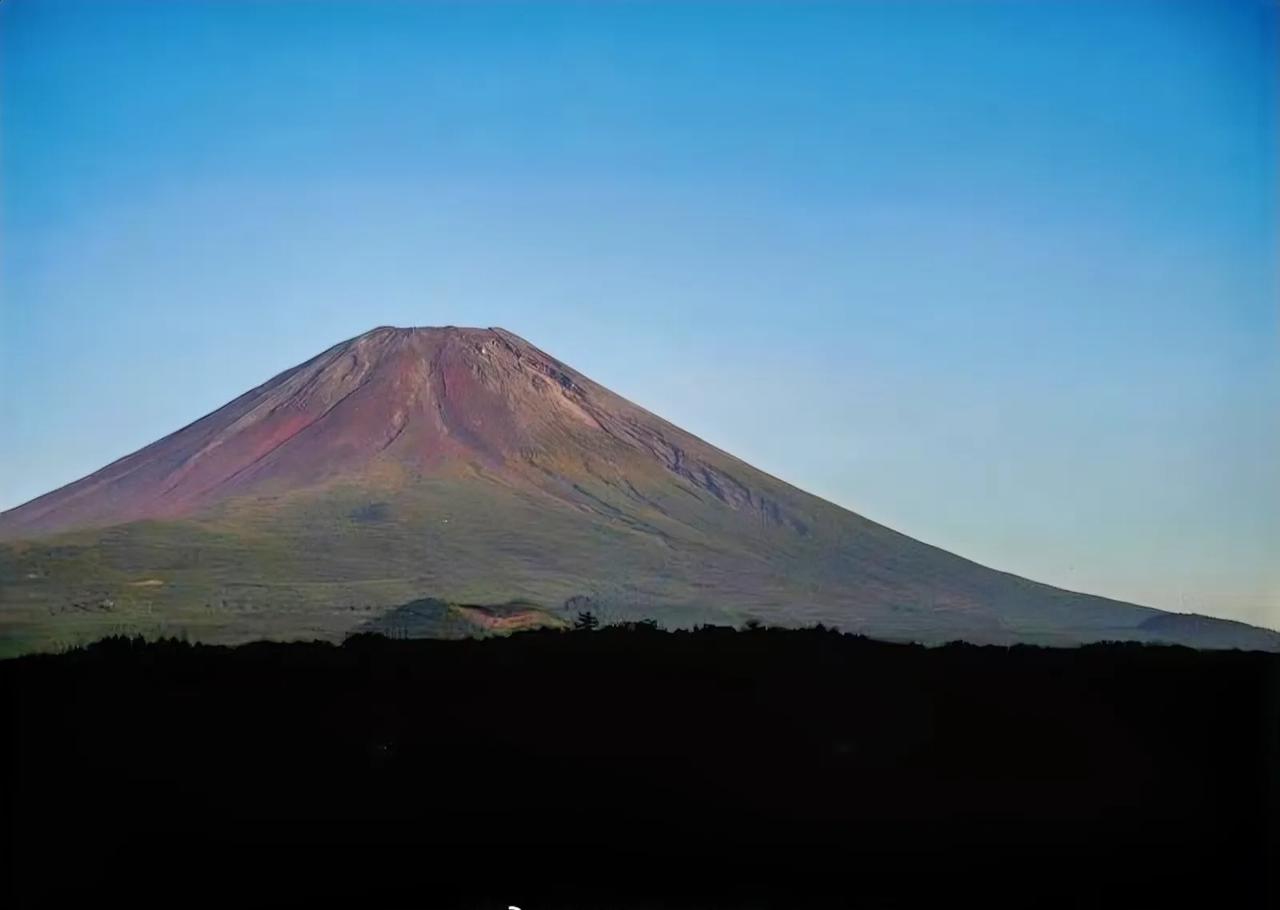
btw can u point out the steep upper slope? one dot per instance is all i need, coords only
(466, 464)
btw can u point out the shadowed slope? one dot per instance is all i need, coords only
(467, 464)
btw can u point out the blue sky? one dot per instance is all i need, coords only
(1000, 275)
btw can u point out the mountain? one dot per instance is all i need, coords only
(400, 476)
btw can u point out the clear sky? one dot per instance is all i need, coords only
(1000, 275)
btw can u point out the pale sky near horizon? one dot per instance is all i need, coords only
(1003, 276)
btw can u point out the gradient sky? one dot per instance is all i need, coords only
(1000, 275)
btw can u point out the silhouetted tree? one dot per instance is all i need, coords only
(586, 622)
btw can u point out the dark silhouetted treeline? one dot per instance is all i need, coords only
(632, 767)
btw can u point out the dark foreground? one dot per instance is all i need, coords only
(642, 769)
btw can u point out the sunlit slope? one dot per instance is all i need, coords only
(468, 466)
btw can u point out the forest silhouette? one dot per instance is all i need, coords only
(629, 766)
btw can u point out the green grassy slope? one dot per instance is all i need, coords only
(324, 563)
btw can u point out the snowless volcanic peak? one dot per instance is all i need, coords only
(427, 398)
(453, 466)
(399, 403)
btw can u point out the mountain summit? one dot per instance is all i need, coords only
(466, 465)
(428, 400)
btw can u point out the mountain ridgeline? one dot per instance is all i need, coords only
(457, 466)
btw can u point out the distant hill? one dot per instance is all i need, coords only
(468, 465)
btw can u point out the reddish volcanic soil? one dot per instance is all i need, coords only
(423, 397)
(428, 400)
